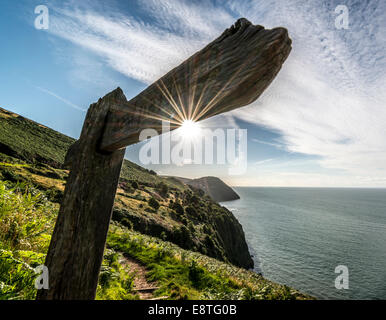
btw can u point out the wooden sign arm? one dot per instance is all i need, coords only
(229, 73)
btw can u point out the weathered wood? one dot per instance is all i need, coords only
(229, 73)
(76, 249)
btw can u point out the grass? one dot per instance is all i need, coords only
(132, 172)
(34, 143)
(183, 216)
(183, 274)
(115, 281)
(26, 225)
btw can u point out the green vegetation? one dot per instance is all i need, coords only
(172, 229)
(25, 216)
(47, 145)
(132, 172)
(154, 203)
(26, 225)
(40, 164)
(183, 274)
(115, 281)
(16, 276)
(156, 209)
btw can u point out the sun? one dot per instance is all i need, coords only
(190, 129)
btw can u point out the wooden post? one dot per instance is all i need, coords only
(230, 72)
(76, 249)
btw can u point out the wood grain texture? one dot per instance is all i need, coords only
(76, 249)
(230, 72)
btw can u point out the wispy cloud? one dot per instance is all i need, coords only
(273, 144)
(329, 99)
(69, 103)
(263, 161)
(135, 48)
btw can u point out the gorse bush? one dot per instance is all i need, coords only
(154, 203)
(163, 189)
(176, 206)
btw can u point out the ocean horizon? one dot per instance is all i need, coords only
(298, 236)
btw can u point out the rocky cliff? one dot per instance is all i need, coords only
(214, 187)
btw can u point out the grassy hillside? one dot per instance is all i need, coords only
(29, 141)
(158, 206)
(27, 219)
(165, 209)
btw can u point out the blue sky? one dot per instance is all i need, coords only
(322, 122)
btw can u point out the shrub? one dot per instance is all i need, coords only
(184, 220)
(163, 189)
(54, 195)
(176, 206)
(196, 275)
(194, 199)
(163, 235)
(183, 237)
(127, 223)
(154, 203)
(191, 227)
(187, 195)
(11, 176)
(207, 229)
(191, 211)
(209, 241)
(134, 184)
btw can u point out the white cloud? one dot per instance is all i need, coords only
(136, 49)
(329, 99)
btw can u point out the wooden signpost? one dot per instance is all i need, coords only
(230, 72)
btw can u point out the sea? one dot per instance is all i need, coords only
(327, 242)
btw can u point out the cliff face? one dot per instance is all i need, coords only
(214, 187)
(232, 236)
(188, 218)
(164, 207)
